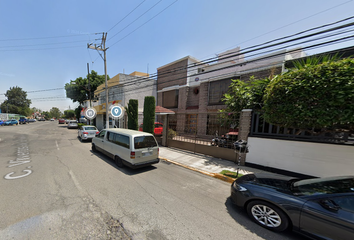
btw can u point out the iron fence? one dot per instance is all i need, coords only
(261, 128)
(213, 129)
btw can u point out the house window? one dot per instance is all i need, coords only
(217, 90)
(170, 99)
(191, 123)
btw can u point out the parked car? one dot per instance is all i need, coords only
(2, 123)
(317, 207)
(158, 128)
(23, 120)
(41, 119)
(83, 120)
(130, 148)
(32, 120)
(87, 132)
(73, 124)
(67, 121)
(11, 122)
(52, 119)
(61, 121)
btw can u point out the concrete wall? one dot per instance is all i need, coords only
(314, 159)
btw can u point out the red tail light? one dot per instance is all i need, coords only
(84, 132)
(132, 154)
(97, 133)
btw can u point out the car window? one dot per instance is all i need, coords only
(90, 128)
(144, 142)
(345, 202)
(101, 134)
(158, 125)
(327, 186)
(119, 139)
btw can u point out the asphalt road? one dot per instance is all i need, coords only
(54, 187)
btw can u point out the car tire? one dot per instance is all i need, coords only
(94, 148)
(268, 216)
(119, 162)
(80, 138)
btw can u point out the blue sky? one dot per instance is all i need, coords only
(44, 43)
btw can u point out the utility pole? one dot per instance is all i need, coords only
(89, 86)
(103, 48)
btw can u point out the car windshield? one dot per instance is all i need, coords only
(324, 185)
(144, 142)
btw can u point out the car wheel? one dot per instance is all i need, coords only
(119, 162)
(268, 215)
(94, 148)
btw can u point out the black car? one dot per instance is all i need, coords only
(321, 208)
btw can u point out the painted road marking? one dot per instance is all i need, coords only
(23, 157)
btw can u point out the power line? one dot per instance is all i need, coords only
(36, 38)
(136, 19)
(174, 71)
(144, 23)
(289, 24)
(126, 16)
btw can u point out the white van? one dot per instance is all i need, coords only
(131, 148)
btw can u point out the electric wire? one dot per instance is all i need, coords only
(144, 23)
(309, 47)
(135, 19)
(126, 16)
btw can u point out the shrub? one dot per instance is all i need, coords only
(132, 112)
(149, 114)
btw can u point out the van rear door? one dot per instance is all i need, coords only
(145, 149)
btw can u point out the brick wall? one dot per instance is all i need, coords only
(171, 75)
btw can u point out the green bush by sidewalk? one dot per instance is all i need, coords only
(230, 173)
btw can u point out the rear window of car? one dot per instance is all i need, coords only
(144, 142)
(89, 128)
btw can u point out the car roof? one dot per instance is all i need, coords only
(128, 132)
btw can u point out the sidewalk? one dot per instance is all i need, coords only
(203, 163)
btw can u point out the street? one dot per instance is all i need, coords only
(54, 187)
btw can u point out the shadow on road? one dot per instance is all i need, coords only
(241, 217)
(126, 170)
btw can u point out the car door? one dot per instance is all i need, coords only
(99, 139)
(329, 217)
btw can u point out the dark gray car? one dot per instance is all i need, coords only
(321, 208)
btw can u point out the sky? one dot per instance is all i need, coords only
(44, 43)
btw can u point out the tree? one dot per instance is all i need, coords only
(313, 96)
(47, 115)
(78, 89)
(16, 102)
(149, 114)
(78, 112)
(132, 111)
(244, 95)
(55, 112)
(69, 113)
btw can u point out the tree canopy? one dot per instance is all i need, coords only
(318, 93)
(78, 89)
(16, 102)
(55, 112)
(319, 96)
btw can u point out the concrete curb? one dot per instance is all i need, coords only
(214, 175)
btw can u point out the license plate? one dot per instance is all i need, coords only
(147, 154)
(92, 133)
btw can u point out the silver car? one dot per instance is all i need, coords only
(87, 132)
(73, 124)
